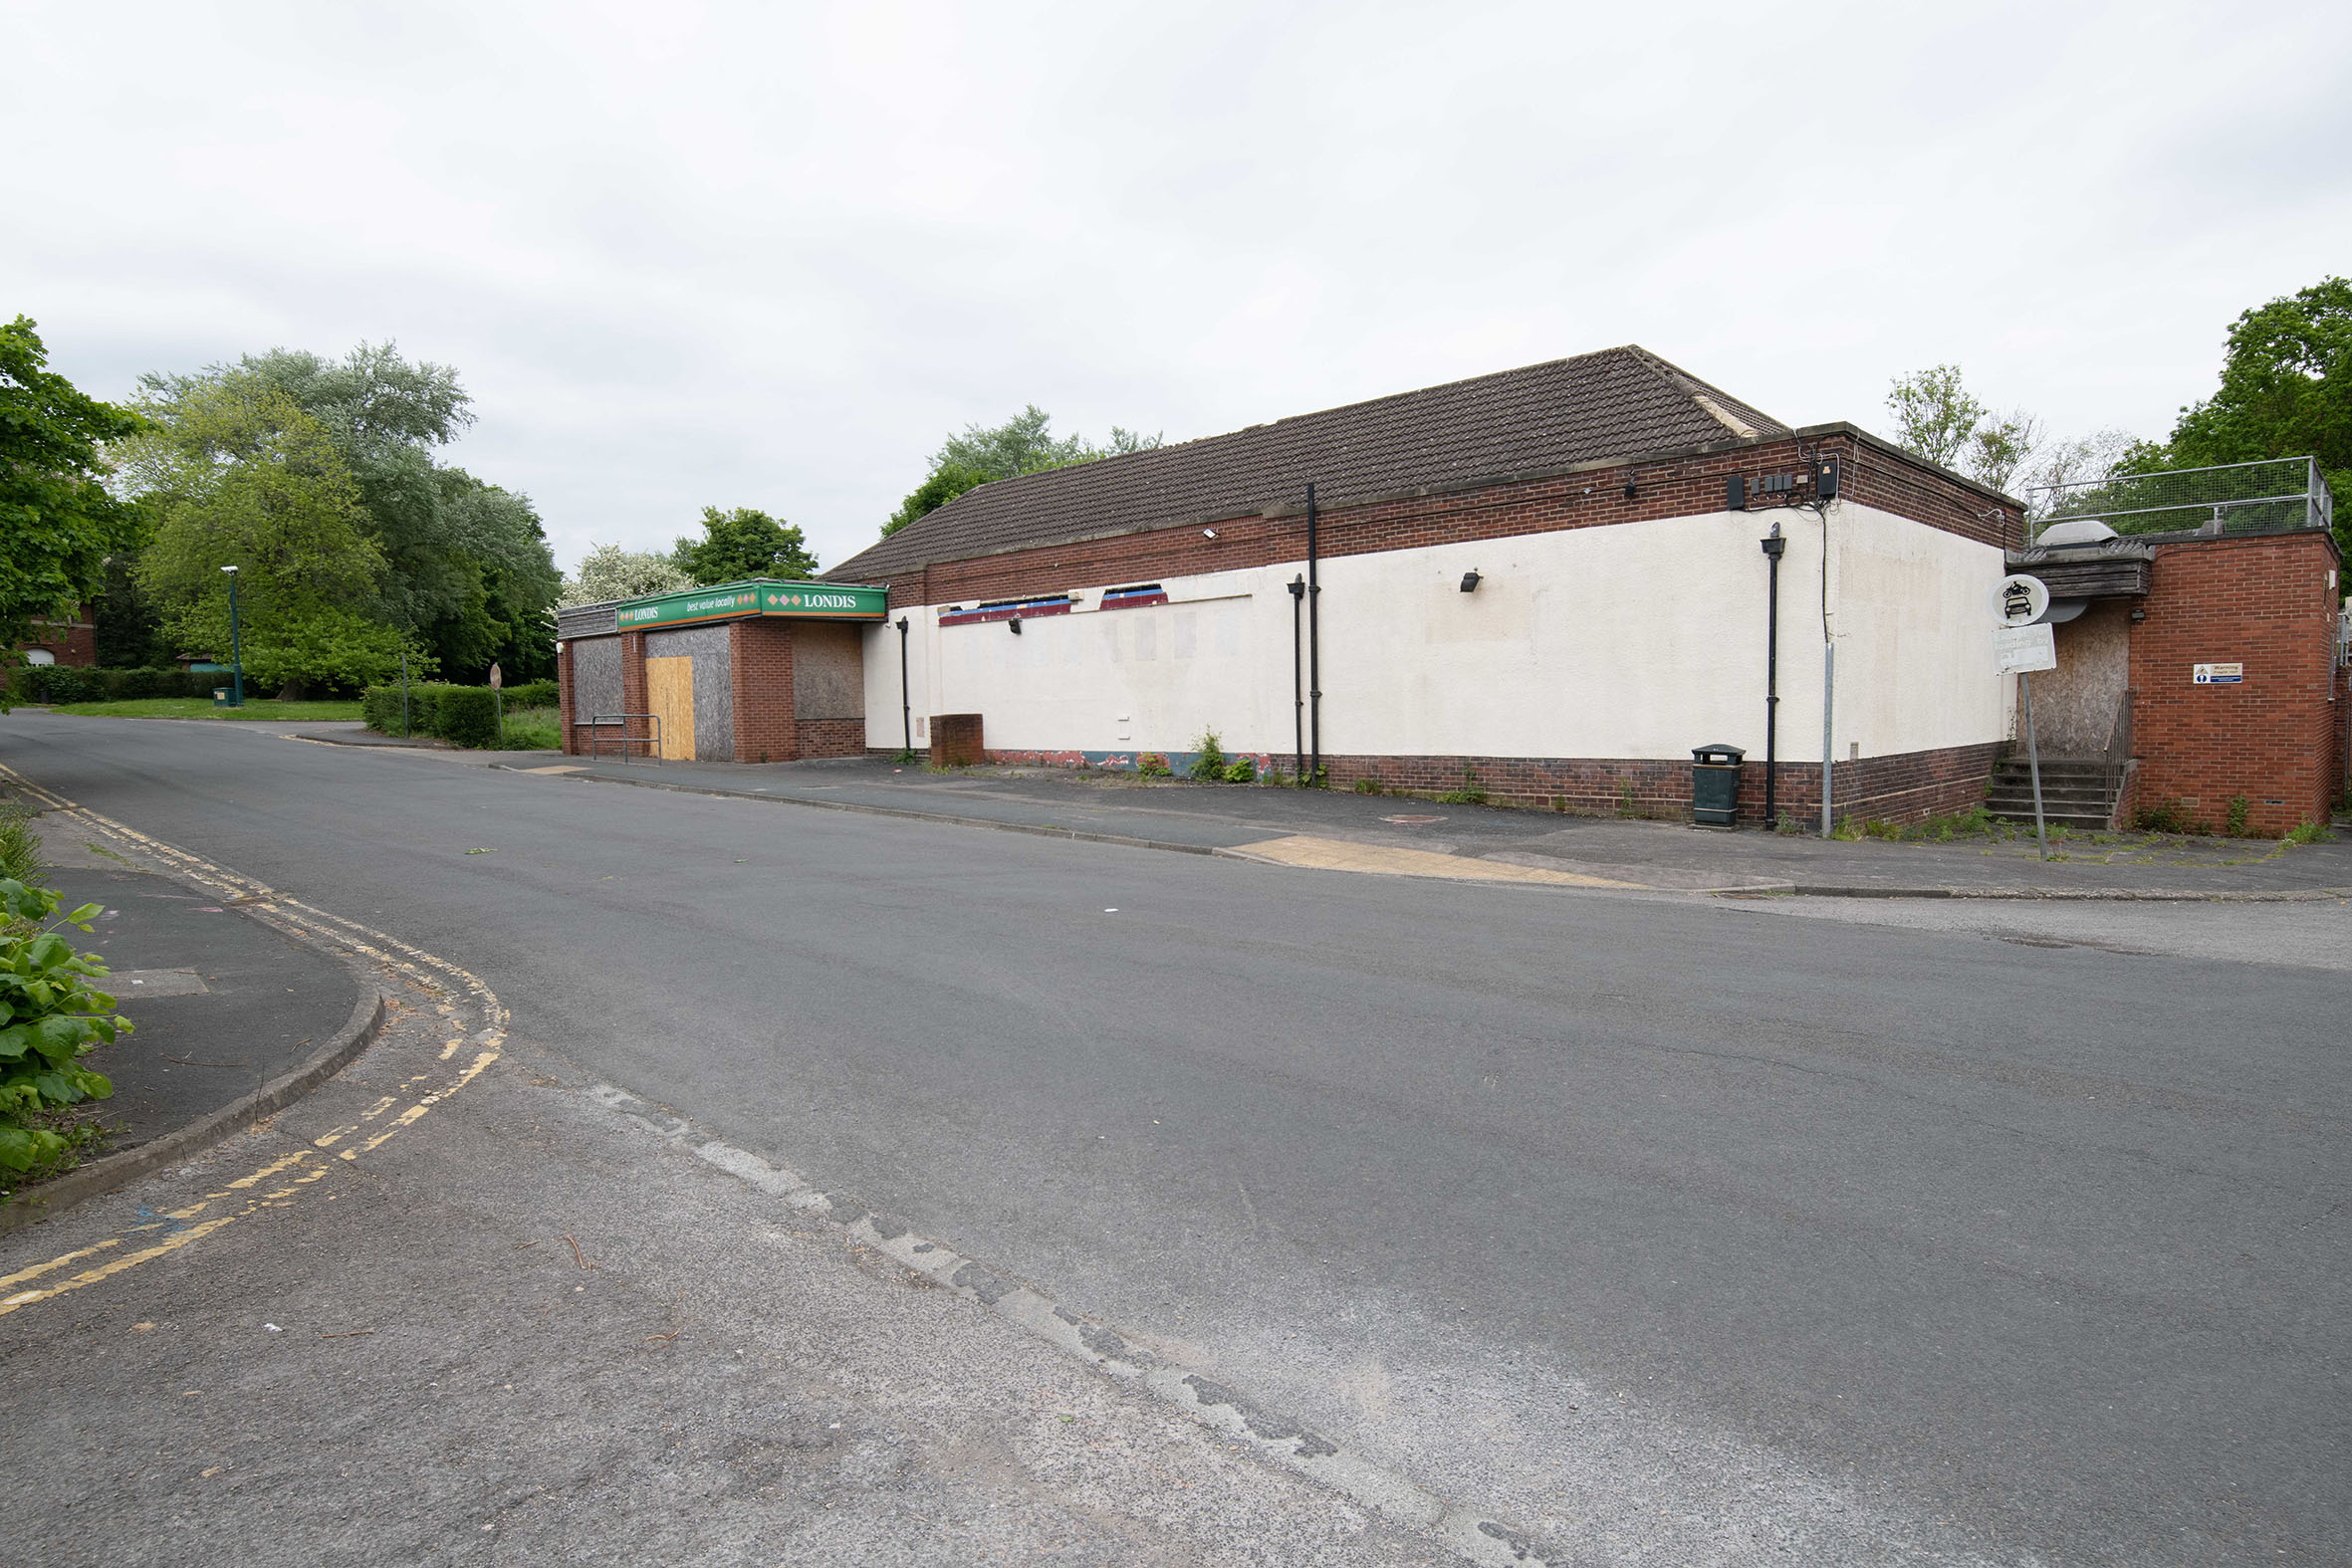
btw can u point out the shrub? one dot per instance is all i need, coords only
(2169, 817)
(2307, 832)
(461, 715)
(1241, 771)
(1152, 765)
(62, 683)
(51, 1017)
(1208, 765)
(2241, 812)
(1371, 787)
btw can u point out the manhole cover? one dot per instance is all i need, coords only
(1412, 821)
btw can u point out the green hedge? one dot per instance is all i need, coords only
(461, 715)
(62, 683)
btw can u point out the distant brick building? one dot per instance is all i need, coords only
(72, 642)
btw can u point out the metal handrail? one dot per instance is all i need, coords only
(593, 723)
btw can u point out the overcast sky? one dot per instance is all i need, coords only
(769, 256)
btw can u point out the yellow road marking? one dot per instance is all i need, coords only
(1337, 854)
(389, 952)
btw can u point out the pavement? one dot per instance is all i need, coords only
(1647, 1229)
(1312, 827)
(220, 1003)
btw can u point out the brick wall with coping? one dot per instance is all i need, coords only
(2261, 600)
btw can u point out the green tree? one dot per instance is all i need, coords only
(2286, 391)
(1022, 444)
(1937, 417)
(608, 573)
(742, 544)
(468, 572)
(240, 476)
(56, 516)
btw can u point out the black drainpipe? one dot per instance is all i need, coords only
(1774, 546)
(1314, 654)
(1297, 687)
(906, 703)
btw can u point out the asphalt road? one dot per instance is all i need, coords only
(1662, 1226)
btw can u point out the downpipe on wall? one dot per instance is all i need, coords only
(1298, 681)
(1314, 652)
(906, 701)
(1774, 548)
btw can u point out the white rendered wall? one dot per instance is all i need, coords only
(1631, 640)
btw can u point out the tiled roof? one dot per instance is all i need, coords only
(1618, 403)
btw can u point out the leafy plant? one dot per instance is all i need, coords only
(1625, 806)
(2240, 810)
(2167, 817)
(20, 846)
(1154, 765)
(1208, 764)
(1471, 791)
(1371, 787)
(51, 1017)
(1241, 771)
(2307, 832)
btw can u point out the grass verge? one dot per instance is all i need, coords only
(268, 709)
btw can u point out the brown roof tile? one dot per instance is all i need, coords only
(1618, 403)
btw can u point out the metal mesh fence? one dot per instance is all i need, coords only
(2236, 498)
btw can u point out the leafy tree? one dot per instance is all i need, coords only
(129, 630)
(468, 571)
(239, 475)
(1022, 444)
(2286, 391)
(744, 543)
(610, 573)
(56, 516)
(1937, 417)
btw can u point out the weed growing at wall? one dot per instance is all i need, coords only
(1152, 765)
(1369, 787)
(2307, 832)
(1241, 771)
(1625, 806)
(1471, 791)
(1208, 765)
(2240, 810)
(20, 846)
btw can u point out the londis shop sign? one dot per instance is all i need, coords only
(819, 600)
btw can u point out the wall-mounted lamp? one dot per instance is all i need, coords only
(1208, 533)
(1015, 623)
(1774, 544)
(1470, 581)
(1631, 490)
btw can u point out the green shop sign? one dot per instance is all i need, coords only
(819, 600)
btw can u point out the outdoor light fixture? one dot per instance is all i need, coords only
(1631, 490)
(1208, 533)
(1470, 581)
(236, 646)
(1774, 544)
(1015, 623)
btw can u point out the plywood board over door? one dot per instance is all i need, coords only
(669, 696)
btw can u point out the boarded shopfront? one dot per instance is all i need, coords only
(758, 671)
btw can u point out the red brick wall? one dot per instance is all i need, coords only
(832, 736)
(761, 665)
(2261, 600)
(632, 687)
(71, 642)
(564, 698)
(1685, 487)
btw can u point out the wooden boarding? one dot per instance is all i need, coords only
(669, 693)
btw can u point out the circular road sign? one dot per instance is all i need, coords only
(2021, 600)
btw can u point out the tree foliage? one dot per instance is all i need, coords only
(57, 519)
(610, 573)
(2286, 391)
(237, 474)
(742, 544)
(1022, 444)
(51, 1017)
(467, 570)
(1937, 417)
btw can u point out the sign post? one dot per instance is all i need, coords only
(2022, 644)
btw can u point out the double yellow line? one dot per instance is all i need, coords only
(444, 981)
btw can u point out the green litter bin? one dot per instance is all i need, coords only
(1714, 786)
(220, 697)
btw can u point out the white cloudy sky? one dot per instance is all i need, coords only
(768, 255)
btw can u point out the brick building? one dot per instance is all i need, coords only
(1554, 583)
(72, 641)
